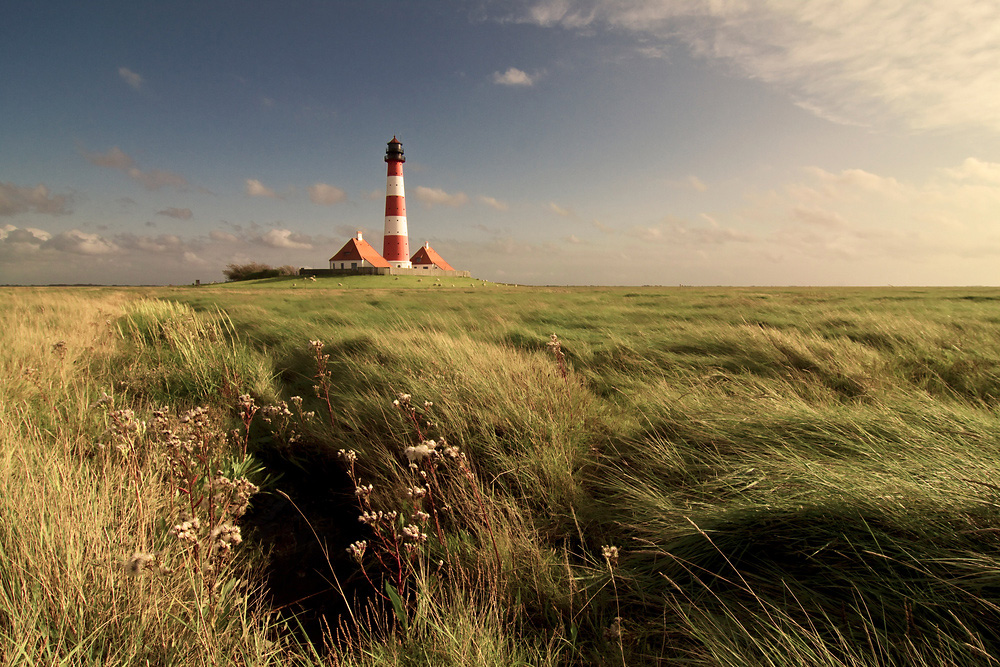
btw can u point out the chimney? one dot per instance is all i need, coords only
(359, 237)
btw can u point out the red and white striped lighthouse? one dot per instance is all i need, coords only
(395, 244)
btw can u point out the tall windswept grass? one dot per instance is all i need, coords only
(648, 476)
(174, 354)
(89, 572)
(791, 477)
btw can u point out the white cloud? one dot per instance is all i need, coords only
(30, 255)
(23, 235)
(514, 77)
(321, 193)
(16, 199)
(222, 237)
(683, 233)
(976, 170)
(930, 63)
(113, 159)
(855, 214)
(162, 244)
(81, 243)
(493, 203)
(191, 258)
(154, 179)
(692, 182)
(819, 217)
(602, 227)
(558, 210)
(255, 188)
(179, 213)
(130, 77)
(285, 238)
(437, 196)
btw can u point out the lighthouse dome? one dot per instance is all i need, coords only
(394, 151)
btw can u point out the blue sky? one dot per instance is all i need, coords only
(816, 142)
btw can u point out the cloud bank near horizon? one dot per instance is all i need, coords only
(847, 218)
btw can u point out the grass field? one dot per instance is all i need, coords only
(548, 476)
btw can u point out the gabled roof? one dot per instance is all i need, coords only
(358, 249)
(427, 255)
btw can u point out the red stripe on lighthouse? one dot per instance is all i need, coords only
(395, 205)
(395, 248)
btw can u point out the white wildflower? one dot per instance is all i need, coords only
(417, 453)
(414, 534)
(357, 549)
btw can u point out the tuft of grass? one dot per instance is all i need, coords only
(89, 574)
(173, 353)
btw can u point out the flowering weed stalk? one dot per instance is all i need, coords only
(248, 408)
(555, 347)
(211, 502)
(399, 540)
(425, 458)
(614, 632)
(322, 388)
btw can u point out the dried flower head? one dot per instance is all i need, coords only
(138, 563)
(103, 400)
(610, 554)
(226, 536)
(187, 531)
(614, 631)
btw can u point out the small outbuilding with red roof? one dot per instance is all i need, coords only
(356, 254)
(427, 258)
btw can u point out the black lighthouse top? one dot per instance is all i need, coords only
(394, 151)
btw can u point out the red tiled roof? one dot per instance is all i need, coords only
(356, 250)
(427, 255)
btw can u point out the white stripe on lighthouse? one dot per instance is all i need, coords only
(394, 186)
(395, 225)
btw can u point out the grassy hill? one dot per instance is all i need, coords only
(706, 476)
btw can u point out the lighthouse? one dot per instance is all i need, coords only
(395, 244)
